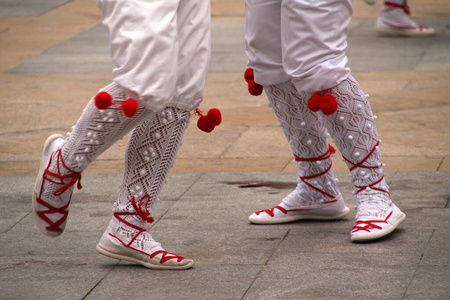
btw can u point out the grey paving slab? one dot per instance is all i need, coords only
(328, 276)
(436, 253)
(219, 246)
(15, 202)
(89, 51)
(430, 282)
(425, 184)
(236, 196)
(324, 264)
(337, 241)
(204, 217)
(428, 218)
(26, 240)
(28, 8)
(52, 276)
(202, 282)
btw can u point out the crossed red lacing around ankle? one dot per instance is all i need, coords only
(138, 211)
(324, 156)
(141, 210)
(405, 6)
(361, 165)
(369, 224)
(57, 178)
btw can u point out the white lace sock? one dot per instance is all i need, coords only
(307, 137)
(151, 152)
(352, 128)
(96, 130)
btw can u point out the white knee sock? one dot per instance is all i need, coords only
(151, 152)
(352, 128)
(96, 130)
(307, 137)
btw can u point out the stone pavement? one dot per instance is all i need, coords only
(54, 56)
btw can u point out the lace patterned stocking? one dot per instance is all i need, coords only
(97, 130)
(352, 128)
(307, 137)
(150, 153)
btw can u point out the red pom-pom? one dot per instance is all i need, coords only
(214, 116)
(314, 103)
(329, 104)
(103, 100)
(248, 75)
(130, 107)
(254, 88)
(204, 125)
(331, 150)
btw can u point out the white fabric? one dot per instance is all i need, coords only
(161, 49)
(151, 152)
(301, 40)
(352, 128)
(306, 133)
(96, 130)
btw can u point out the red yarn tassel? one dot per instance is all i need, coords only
(253, 88)
(208, 122)
(103, 100)
(325, 103)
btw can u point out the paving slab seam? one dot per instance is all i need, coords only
(101, 279)
(417, 266)
(234, 142)
(24, 217)
(441, 163)
(265, 263)
(177, 199)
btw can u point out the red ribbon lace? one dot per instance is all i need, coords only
(166, 256)
(361, 165)
(138, 211)
(369, 224)
(141, 210)
(324, 156)
(270, 211)
(57, 178)
(405, 6)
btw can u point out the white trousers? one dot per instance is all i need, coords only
(161, 49)
(301, 40)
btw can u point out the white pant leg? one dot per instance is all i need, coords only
(151, 41)
(314, 38)
(263, 41)
(194, 40)
(302, 40)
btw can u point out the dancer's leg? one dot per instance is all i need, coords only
(151, 151)
(63, 160)
(352, 128)
(317, 195)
